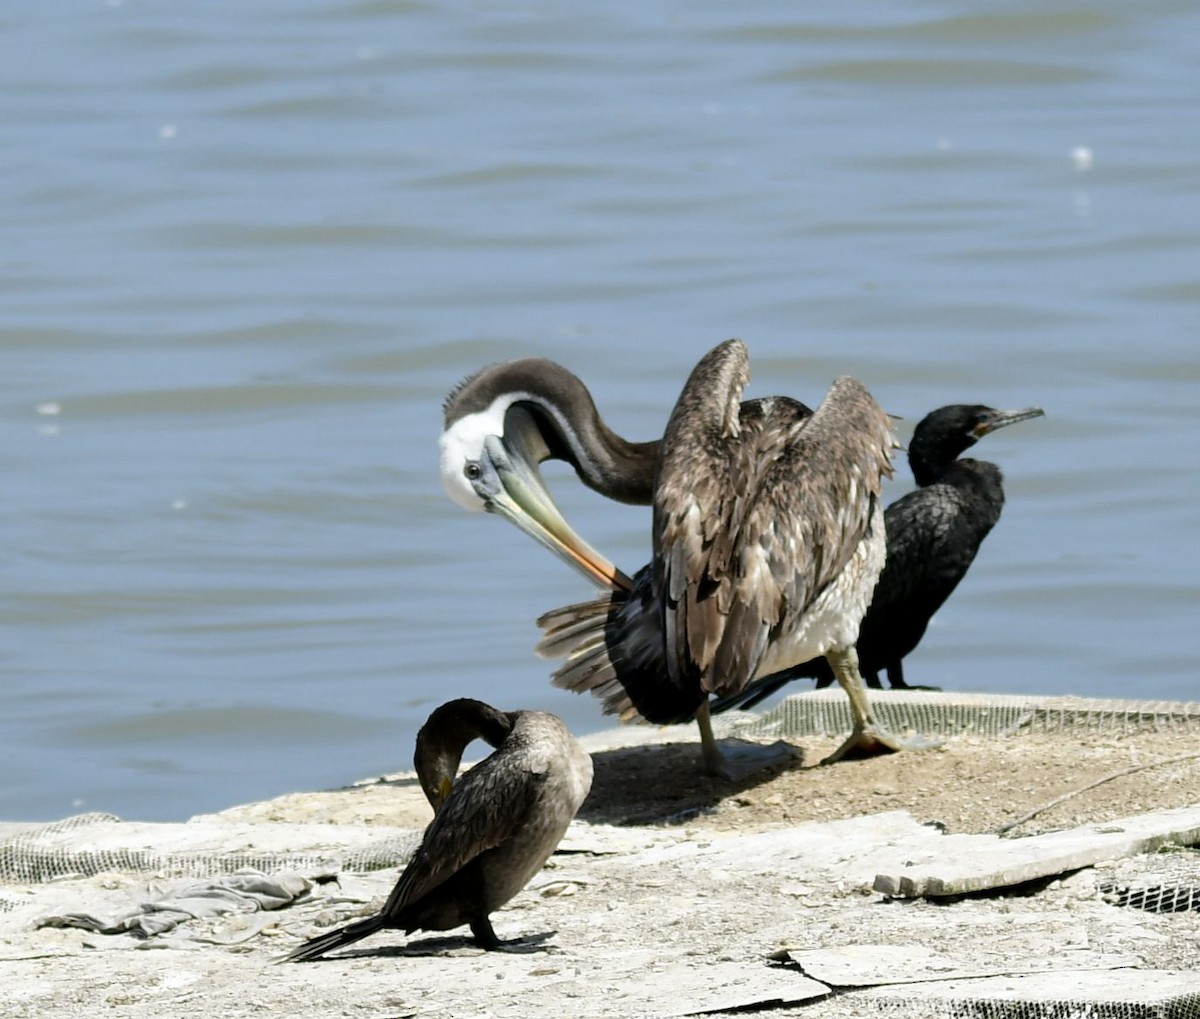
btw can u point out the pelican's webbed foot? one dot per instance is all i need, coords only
(735, 760)
(868, 737)
(872, 739)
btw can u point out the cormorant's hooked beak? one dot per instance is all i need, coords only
(1001, 418)
(521, 497)
(440, 792)
(436, 775)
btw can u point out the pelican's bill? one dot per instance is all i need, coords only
(524, 500)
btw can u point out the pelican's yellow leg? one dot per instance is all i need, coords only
(868, 736)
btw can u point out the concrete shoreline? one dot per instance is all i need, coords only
(626, 920)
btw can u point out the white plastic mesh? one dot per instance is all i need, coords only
(90, 844)
(827, 713)
(1170, 885)
(1062, 1006)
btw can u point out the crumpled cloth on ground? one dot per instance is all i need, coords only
(246, 891)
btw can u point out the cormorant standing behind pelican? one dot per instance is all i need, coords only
(493, 829)
(933, 534)
(767, 538)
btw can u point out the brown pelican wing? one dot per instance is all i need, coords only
(820, 498)
(485, 807)
(769, 544)
(757, 513)
(693, 503)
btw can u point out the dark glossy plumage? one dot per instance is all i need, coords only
(494, 828)
(933, 535)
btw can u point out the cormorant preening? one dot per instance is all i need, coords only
(493, 829)
(933, 534)
(767, 536)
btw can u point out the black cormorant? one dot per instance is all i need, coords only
(493, 829)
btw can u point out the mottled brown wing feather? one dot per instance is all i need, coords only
(754, 519)
(485, 807)
(694, 501)
(824, 490)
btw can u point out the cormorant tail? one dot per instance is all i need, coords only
(347, 935)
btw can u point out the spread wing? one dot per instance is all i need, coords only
(485, 807)
(758, 508)
(695, 502)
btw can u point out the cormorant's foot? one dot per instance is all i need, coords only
(523, 946)
(485, 937)
(873, 739)
(899, 684)
(738, 759)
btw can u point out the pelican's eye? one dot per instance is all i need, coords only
(473, 471)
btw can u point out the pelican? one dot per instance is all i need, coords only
(768, 533)
(933, 535)
(493, 829)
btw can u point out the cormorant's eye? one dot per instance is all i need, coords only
(473, 471)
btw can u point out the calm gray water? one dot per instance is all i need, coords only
(247, 248)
